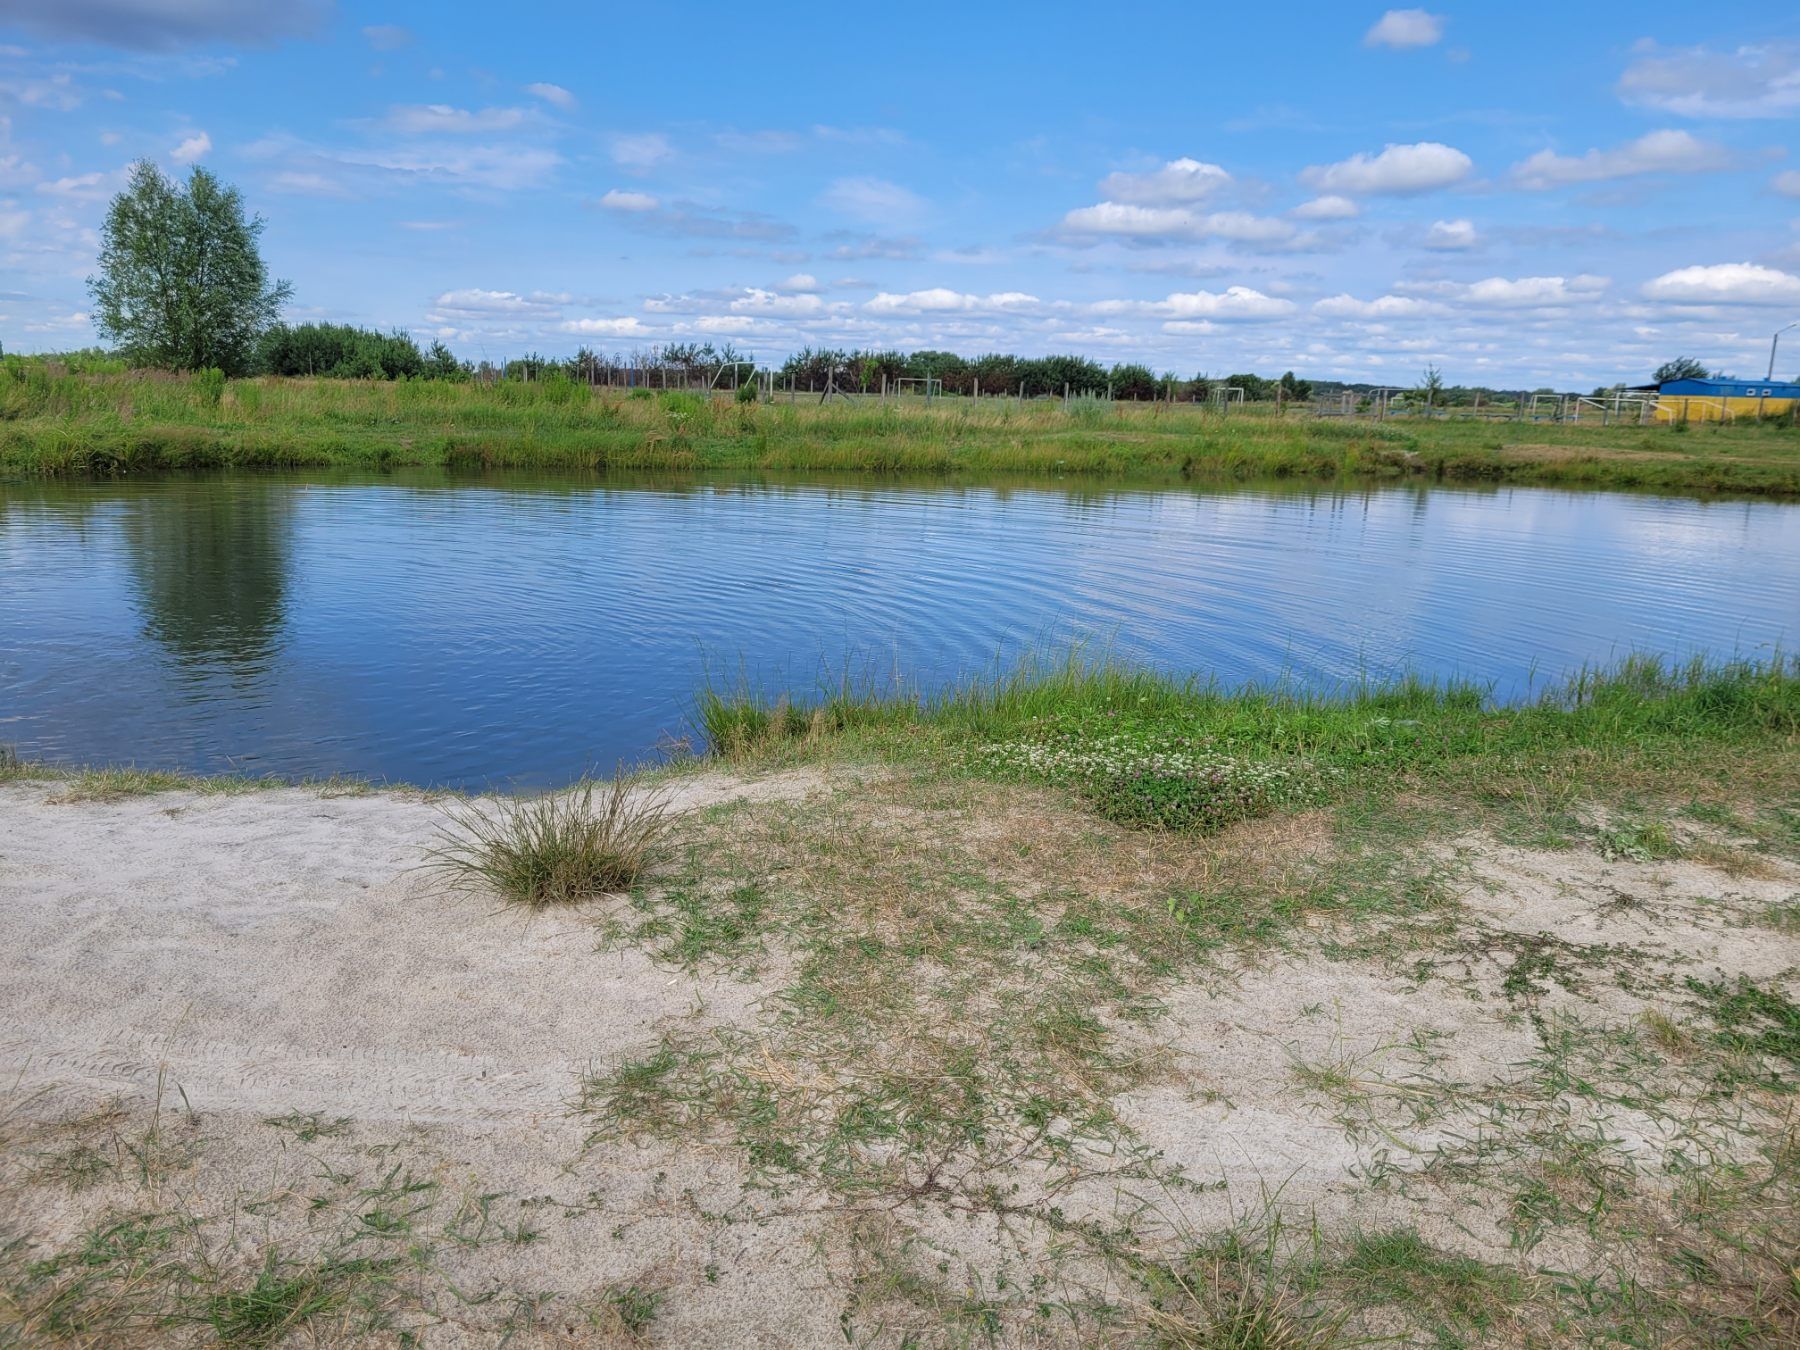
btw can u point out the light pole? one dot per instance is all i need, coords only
(1773, 342)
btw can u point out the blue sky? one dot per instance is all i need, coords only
(1532, 194)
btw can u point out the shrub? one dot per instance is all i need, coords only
(556, 849)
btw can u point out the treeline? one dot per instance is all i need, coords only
(345, 352)
(869, 371)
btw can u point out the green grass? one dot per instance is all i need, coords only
(120, 422)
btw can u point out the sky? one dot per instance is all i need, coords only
(1520, 195)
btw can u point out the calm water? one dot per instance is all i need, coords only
(525, 628)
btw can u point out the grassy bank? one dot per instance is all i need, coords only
(102, 423)
(1086, 1005)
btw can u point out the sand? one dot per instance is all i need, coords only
(207, 967)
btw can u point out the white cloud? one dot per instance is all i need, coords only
(553, 94)
(82, 187)
(422, 119)
(1726, 284)
(758, 301)
(1176, 183)
(1751, 81)
(477, 303)
(874, 200)
(1239, 303)
(726, 324)
(1403, 28)
(801, 281)
(1383, 307)
(1327, 208)
(1654, 152)
(1787, 183)
(641, 152)
(939, 300)
(619, 199)
(1501, 293)
(1450, 236)
(193, 148)
(387, 37)
(1533, 292)
(1397, 169)
(1126, 221)
(626, 327)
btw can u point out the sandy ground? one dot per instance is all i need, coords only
(222, 963)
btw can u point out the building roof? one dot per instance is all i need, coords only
(1711, 388)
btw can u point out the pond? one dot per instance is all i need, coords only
(522, 629)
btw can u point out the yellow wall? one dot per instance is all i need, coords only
(1680, 408)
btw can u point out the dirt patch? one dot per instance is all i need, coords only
(1674, 913)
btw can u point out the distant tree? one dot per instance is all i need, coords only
(182, 284)
(1681, 368)
(1431, 386)
(1295, 390)
(1130, 380)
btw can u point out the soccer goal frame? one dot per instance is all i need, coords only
(921, 384)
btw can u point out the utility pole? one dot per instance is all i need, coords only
(1774, 341)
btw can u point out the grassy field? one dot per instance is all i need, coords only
(111, 423)
(1095, 1006)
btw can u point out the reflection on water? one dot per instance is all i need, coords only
(211, 572)
(526, 628)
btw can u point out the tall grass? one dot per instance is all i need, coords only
(556, 849)
(68, 422)
(1407, 724)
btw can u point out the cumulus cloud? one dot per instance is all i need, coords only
(1405, 28)
(1493, 293)
(1123, 220)
(619, 199)
(387, 37)
(1654, 152)
(422, 119)
(1751, 81)
(1450, 236)
(801, 281)
(165, 24)
(477, 303)
(192, 148)
(1533, 292)
(1397, 169)
(1327, 208)
(1176, 183)
(758, 301)
(642, 151)
(940, 300)
(874, 200)
(1235, 303)
(1725, 284)
(1382, 307)
(626, 327)
(553, 94)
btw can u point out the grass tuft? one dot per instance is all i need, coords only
(556, 849)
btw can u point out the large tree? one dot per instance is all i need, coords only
(182, 284)
(1681, 368)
